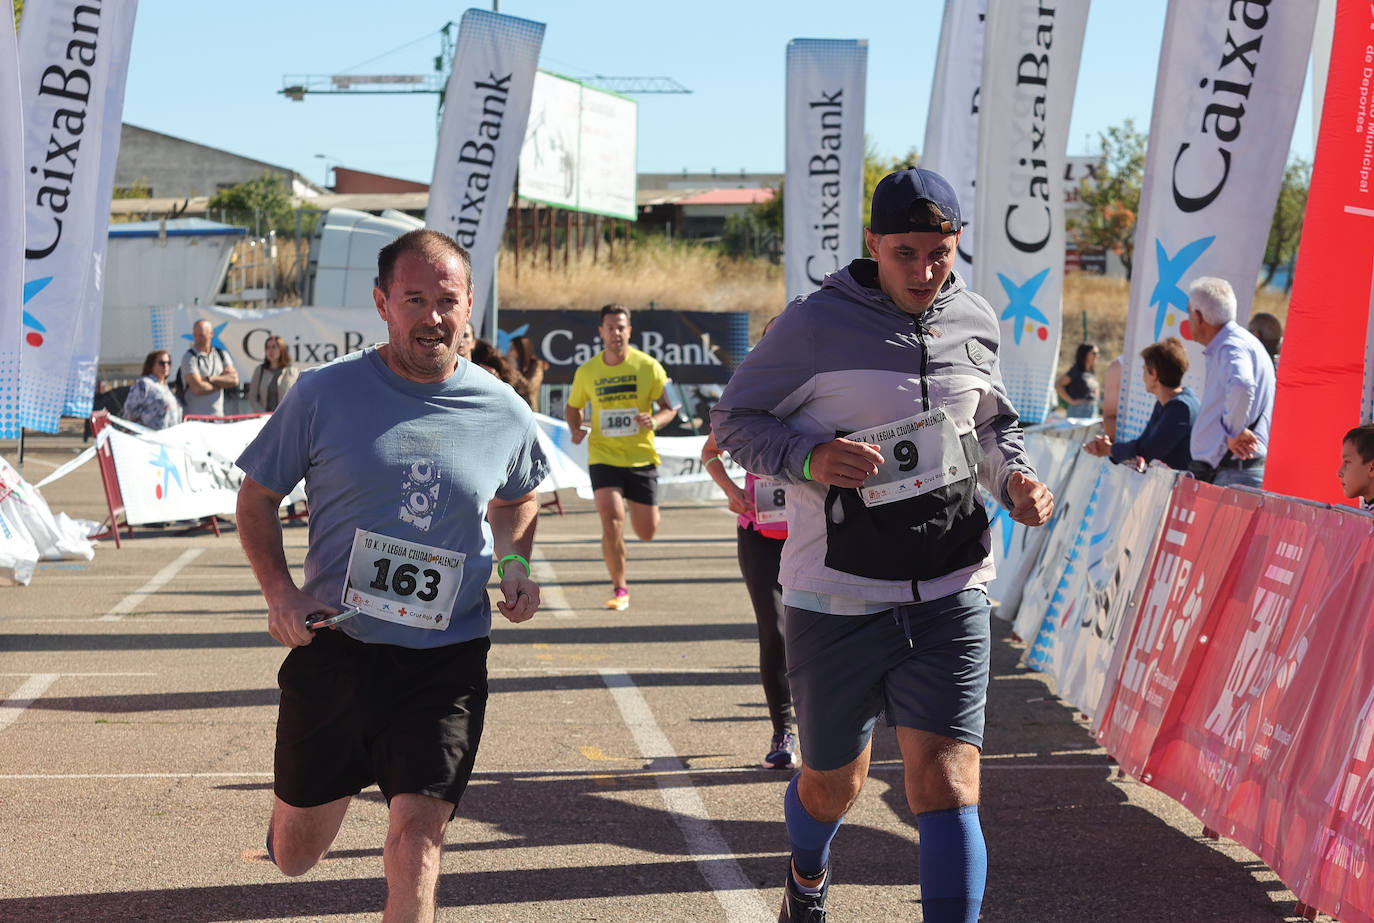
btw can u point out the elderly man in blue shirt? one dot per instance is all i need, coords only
(1231, 433)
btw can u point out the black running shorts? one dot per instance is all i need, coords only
(639, 485)
(354, 714)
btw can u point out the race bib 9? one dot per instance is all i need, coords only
(619, 421)
(920, 454)
(403, 582)
(770, 501)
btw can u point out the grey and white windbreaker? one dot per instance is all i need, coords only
(846, 358)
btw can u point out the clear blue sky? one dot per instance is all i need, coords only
(210, 72)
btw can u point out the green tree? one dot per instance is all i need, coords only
(768, 215)
(1285, 231)
(757, 232)
(18, 11)
(1112, 197)
(258, 205)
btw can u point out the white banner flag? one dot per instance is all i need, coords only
(73, 59)
(951, 143)
(1030, 71)
(1226, 98)
(14, 325)
(486, 108)
(823, 193)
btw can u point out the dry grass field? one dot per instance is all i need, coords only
(679, 276)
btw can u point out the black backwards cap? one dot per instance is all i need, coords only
(902, 202)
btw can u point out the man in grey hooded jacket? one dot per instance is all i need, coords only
(878, 399)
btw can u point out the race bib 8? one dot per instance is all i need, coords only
(403, 582)
(920, 453)
(619, 421)
(770, 501)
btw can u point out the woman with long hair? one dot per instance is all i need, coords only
(273, 378)
(1078, 388)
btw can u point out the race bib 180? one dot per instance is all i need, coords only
(402, 582)
(619, 421)
(920, 454)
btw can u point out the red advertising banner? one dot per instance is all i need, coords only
(1191, 570)
(1321, 377)
(1252, 702)
(1322, 834)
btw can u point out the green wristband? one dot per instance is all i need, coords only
(501, 565)
(806, 466)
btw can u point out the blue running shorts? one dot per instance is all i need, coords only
(924, 664)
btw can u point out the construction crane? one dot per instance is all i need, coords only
(296, 86)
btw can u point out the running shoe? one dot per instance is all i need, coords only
(802, 908)
(781, 753)
(620, 601)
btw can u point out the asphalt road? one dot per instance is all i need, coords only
(618, 777)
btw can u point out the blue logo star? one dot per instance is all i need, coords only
(1020, 309)
(503, 338)
(32, 288)
(215, 341)
(169, 470)
(1167, 293)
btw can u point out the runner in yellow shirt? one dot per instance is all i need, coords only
(621, 384)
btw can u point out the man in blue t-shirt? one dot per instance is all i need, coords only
(419, 469)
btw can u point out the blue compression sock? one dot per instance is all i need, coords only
(810, 837)
(954, 865)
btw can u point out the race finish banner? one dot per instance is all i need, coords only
(824, 188)
(313, 336)
(1030, 71)
(73, 59)
(696, 347)
(13, 319)
(1319, 387)
(952, 125)
(1226, 97)
(579, 150)
(486, 109)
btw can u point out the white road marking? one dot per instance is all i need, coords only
(551, 597)
(160, 579)
(717, 864)
(24, 696)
